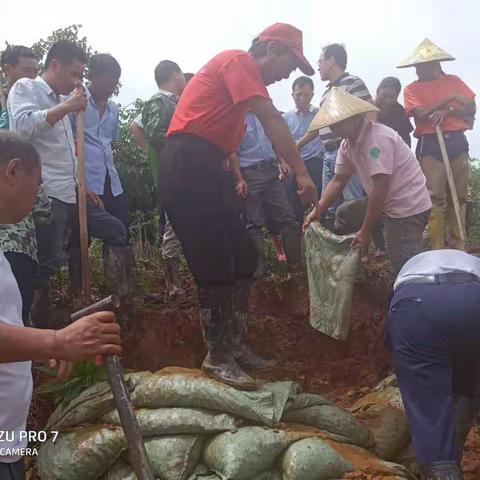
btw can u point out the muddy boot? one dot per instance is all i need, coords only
(75, 274)
(242, 352)
(456, 238)
(278, 245)
(258, 241)
(215, 319)
(41, 312)
(115, 265)
(132, 273)
(436, 227)
(174, 284)
(441, 471)
(292, 242)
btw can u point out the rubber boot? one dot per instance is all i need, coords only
(436, 227)
(216, 320)
(441, 471)
(75, 274)
(256, 234)
(41, 312)
(132, 273)
(456, 239)
(115, 264)
(174, 284)
(242, 352)
(278, 245)
(466, 410)
(293, 245)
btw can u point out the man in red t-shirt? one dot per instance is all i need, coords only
(207, 127)
(440, 99)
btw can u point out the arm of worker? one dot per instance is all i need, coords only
(306, 139)
(282, 142)
(332, 191)
(96, 334)
(139, 136)
(375, 205)
(241, 186)
(27, 115)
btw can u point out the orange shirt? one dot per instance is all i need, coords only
(424, 94)
(213, 103)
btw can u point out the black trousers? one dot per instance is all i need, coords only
(13, 471)
(116, 206)
(203, 212)
(24, 270)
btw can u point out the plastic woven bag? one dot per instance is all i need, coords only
(331, 266)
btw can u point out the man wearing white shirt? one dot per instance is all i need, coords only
(434, 333)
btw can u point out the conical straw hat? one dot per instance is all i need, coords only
(427, 51)
(339, 105)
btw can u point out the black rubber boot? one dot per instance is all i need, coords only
(41, 312)
(215, 319)
(75, 274)
(174, 284)
(132, 273)
(244, 356)
(466, 411)
(293, 245)
(441, 471)
(258, 241)
(115, 264)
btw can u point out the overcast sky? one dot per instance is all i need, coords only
(378, 34)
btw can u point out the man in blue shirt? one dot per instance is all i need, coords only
(298, 121)
(107, 210)
(256, 171)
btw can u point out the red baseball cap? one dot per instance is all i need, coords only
(290, 37)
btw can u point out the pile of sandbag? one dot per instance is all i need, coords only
(198, 429)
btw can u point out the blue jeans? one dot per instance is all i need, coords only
(315, 169)
(353, 189)
(434, 333)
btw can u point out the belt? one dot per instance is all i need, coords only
(453, 278)
(332, 145)
(262, 165)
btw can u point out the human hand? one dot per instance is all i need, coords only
(95, 199)
(438, 117)
(307, 191)
(284, 169)
(77, 101)
(241, 188)
(64, 369)
(362, 240)
(95, 334)
(314, 216)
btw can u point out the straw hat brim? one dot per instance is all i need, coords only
(418, 62)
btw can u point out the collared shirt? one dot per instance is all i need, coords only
(213, 104)
(423, 94)
(380, 150)
(28, 103)
(157, 114)
(352, 85)
(298, 123)
(255, 145)
(16, 383)
(438, 262)
(100, 132)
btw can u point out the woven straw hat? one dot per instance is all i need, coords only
(339, 105)
(426, 52)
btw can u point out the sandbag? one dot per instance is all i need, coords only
(331, 267)
(246, 453)
(180, 387)
(386, 393)
(389, 427)
(90, 404)
(313, 459)
(121, 470)
(174, 457)
(176, 421)
(82, 454)
(333, 419)
(304, 400)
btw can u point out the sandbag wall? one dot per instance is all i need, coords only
(198, 429)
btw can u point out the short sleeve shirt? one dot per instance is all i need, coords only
(212, 105)
(380, 150)
(423, 94)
